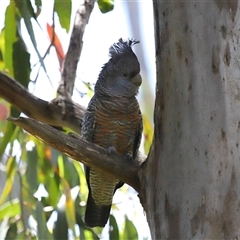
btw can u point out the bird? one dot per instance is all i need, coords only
(113, 120)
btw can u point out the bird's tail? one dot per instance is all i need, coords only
(96, 215)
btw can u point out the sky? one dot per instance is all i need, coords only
(100, 33)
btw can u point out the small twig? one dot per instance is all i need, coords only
(23, 213)
(65, 89)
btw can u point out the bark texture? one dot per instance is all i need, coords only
(85, 152)
(58, 113)
(190, 182)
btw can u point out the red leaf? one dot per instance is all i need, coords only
(3, 112)
(56, 43)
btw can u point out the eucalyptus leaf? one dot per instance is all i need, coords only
(42, 230)
(63, 9)
(105, 5)
(114, 231)
(130, 231)
(21, 62)
(22, 6)
(10, 36)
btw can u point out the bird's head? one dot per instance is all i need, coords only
(120, 75)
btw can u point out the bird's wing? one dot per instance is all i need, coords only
(88, 124)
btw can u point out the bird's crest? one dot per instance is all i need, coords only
(121, 47)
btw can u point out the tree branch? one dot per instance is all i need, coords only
(65, 89)
(62, 111)
(88, 153)
(48, 112)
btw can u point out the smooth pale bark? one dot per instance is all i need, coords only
(191, 180)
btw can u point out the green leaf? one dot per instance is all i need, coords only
(147, 133)
(31, 172)
(42, 230)
(88, 234)
(45, 165)
(8, 136)
(12, 232)
(65, 187)
(38, 4)
(22, 6)
(4, 227)
(14, 112)
(82, 179)
(85, 233)
(2, 49)
(10, 171)
(21, 62)
(10, 35)
(10, 209)
(52, 188)
(106, 5)
(30, 9)
(54, 156)
(71, 174)
(22, 236)
(61, 166)
(114, 232)
(1, 56)
(60, 228)
(63, 9)
(69, 206)
(47, 173)
(129, 231)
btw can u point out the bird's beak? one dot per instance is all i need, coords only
(137, 80)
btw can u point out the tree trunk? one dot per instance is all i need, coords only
(191, 180)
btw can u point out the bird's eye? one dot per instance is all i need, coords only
(125, 75)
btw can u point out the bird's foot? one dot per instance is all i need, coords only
(111, 149)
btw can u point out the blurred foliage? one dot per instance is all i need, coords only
(105, 5)
(130, 231)
(63, 9)
(44, 192)
(48, 203)
(147, 133)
